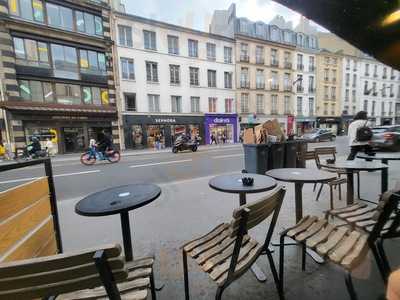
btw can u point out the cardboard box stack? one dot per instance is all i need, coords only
(270, 131)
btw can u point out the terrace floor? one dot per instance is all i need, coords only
(188, 209)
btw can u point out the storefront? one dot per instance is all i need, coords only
(143, 131)
(332, 123)
(304, 124)
(67, 133)
(224, 127)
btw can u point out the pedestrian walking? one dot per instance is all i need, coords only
(223, 138)
(157, 141)
(359, 134)
(50, 147)
(213, 139)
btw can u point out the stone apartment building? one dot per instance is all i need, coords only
(56, 72)
(173, 80)
(265, 67)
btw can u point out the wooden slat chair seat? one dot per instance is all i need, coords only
(345, 246)
(227, 252)
(99, 273)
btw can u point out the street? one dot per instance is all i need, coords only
(74, 180)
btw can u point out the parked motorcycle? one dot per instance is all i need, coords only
(92, 155)
(183, 143)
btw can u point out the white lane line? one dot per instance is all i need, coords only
(59, 175)
(226, 156)
(161, 163)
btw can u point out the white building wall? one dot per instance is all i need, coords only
(351, 90)
(142, 88)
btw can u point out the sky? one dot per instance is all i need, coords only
(197, 13)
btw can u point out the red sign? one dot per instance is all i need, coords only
(290, 123)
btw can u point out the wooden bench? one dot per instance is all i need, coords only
(344, 246)
(227, 252)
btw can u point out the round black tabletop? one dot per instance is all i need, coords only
(301, 175)
(381, 156)
(118, 199)
(233, 183)
(356, 165)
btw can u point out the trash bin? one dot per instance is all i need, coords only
(256, 158)
(301, 150)
(276, 156)
(290, 154)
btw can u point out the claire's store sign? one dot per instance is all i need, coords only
(222, 121)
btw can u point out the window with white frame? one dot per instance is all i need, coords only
(227, 55)
(228, 80)
(211, 51)
(174, 74)
(260, 103)
(244, 103)
(195, 104)
(176, 104)
(354, 80)
(151, 71)
(260, 80)
(154, 102)
(365, 105)
(125, 36)
(212, 104)
(212, 78)
(353, 96)
(194, 76)
(326, 94)
(383, 113)
(149, 40)
(366, 70)
(286, 105)
(259, 54)
(274, 104)
(373, 108)
(310, 106)
(244, 78)
(244, 52)
(229, 105)
(347, 95)
(347, 79)
(127, 68)
(333, 92)
(193, 48)
(173, 44)
(299, 106)
(390, 108)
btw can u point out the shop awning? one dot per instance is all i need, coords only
(373, 26)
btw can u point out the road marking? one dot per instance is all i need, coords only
(161, 163)
(226, 156)
(59, 175)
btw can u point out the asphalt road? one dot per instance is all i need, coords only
(74, 180)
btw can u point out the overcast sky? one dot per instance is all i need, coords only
(197, 13)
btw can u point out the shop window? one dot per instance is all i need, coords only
(36, 91)
(176, 104)
(125, 36)
(155, 132)
(195, 104)
(137, 135)
(68, 93)
(130, 102)
(59, 16)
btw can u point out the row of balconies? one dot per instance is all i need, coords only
(275, 63)
(384, 76)
(326, 79)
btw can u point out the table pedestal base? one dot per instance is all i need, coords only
(126, 236)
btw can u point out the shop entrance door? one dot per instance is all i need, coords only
(74, 139)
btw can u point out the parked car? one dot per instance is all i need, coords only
(318, 135)
(386, 137)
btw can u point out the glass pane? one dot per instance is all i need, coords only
(102, 61)
(24, 90)
(84, 63)
(53, 17)
(80, 22)
(57, 52)
(96, 96)
(87, 95)
(98, 23)
(13, 7)
(92, 60)
(75, 94)
(26, 9)
(66, 18)
(89, 22)
(43, 52)
(48, 92)
(104, 97)
(70, 56)
(19, 48)
(38, 10)
(37, 91)
(31, 50)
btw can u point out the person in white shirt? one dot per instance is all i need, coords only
(360, 120)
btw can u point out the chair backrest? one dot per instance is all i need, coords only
(320, 151)
(63, 273)
(27, 221)
(387, 216)
(308, 155)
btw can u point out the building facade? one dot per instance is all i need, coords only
(173, 80)
(328, 100)
(57, 72)
(266, 66)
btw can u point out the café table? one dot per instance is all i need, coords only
(351, 166)
(119, 200)
(300, 176)
(233, 184)
(384, 157)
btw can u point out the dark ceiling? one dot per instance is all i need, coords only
(370, 25)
